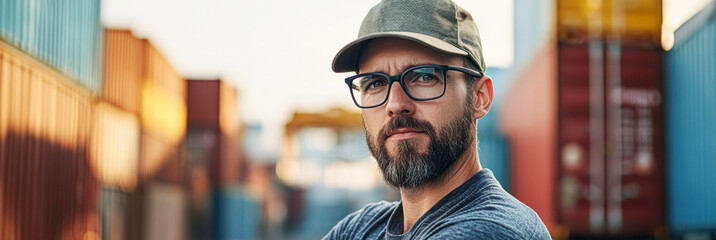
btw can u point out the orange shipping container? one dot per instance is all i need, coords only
(123, 69)
(48, 189)
(140, 80)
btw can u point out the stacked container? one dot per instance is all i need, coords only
(47, 184)
(691, 127)
(213, 163)
(585, 120)
(64, 34)
(141, 120)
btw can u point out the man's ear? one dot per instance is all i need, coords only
(483, 95)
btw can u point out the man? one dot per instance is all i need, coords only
(421, 87)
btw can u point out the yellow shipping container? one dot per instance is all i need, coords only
(629, 20)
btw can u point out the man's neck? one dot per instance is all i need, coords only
(417, 201)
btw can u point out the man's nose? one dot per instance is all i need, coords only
(398, 101)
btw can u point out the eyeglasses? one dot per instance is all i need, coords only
(420, 83)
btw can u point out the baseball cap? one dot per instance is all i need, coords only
(439, 24)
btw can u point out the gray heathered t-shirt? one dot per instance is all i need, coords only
(477, 209)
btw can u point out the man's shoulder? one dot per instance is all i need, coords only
(366, 222)
(482, 209)
(494, 215)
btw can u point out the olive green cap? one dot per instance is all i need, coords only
(439, 24)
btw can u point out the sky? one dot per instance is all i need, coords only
(278, 53)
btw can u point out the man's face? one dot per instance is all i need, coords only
(416, 142)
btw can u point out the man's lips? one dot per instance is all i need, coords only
(404, 133)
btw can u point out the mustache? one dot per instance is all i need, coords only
(404, 121)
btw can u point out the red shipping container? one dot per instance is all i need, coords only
(586, 128)
(610, 141)
(212, 139)
(528, 118)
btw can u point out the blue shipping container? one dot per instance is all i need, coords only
(65, 34)
(236, 214)
(690, 90)
(493, 147)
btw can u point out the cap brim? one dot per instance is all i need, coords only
(346, 60)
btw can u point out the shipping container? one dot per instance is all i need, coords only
(213, 138)
(138, 79)
(236, 214)
(48, 188)
(610, 139)
(528, 118)
(585, 125)
(161, 160)
(690, 87)
(115, 146)
(114, 214)
(165, 212)
(163, 93)
(64, 34)
(124, 64)
(212, 104)
(634, 21)
(493, 147)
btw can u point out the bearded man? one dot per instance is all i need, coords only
(421, 85)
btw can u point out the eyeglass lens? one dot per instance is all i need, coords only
(419, 83)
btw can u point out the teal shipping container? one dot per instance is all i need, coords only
(65, 34)
(235, 214)
(493, 146)
(691, 126)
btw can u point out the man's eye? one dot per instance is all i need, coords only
(375, 84)
(425, 79)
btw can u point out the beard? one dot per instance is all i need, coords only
(410, 168)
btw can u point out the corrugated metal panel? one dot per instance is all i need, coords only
(212, 104)
(212, 110)
(203, 103)
(140, 80)
(161, 160)
(124, 62)
(115, 214)
(163, 110)
(534, 26)
(236, 214)
(635, 20)
(494, 149)
(45, 124)
(691, 124)
(528, 117)
(610, 148)
(228, 112)
(165, 216)
(64, 34)
(115, 146)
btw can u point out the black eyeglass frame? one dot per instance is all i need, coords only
(399, 78)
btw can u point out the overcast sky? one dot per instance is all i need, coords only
(278, 53)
